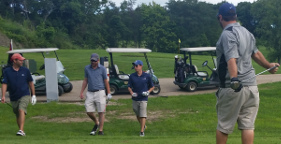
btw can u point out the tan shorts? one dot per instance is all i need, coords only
(241, 107)
(140, 108)
(95, 101)
(21, 104)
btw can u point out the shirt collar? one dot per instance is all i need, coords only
(92, 67)
(232, 24)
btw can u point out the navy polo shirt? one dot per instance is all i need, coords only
(140, 84)
(17, 82)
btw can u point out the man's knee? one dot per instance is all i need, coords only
(89, 113)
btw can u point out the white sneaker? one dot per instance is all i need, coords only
(93, 133)
(141, 134)
(20, 133)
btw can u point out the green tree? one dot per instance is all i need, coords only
(194, 20)
(157, 29)
(245, 17)
(267, 17)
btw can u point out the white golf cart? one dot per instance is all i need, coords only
(64, 84)
(119, 80)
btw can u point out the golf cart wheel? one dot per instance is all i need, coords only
(67, 87)
(156, 90)
(113, 89)
(191, 86)
(60, 90)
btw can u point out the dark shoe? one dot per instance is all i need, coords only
(94, 130)
(100, 133)
(141, 134)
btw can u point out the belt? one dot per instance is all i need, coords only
(228, 86)
(95, 90)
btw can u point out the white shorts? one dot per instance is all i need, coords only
(95, 101)
(140, 108)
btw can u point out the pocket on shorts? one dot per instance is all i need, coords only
(254, 89)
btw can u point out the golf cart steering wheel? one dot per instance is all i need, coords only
(204, 63)
(42, 67)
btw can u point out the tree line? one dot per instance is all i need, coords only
(98, 24)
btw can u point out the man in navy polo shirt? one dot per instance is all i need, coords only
(140, 85)
(18, 79)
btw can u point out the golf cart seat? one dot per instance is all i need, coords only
(37, 78)
(122, 75)
(199, 73)
(32, 66)
(116, 68)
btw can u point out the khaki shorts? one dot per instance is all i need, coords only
(241, 107)
(140, 108)
(21, 104)
(95, 101)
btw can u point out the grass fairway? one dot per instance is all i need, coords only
(175, 119)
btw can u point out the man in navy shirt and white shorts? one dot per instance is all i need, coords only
(18, 80)
(140, 85)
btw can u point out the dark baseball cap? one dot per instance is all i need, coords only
(227, 9)
(95, 57)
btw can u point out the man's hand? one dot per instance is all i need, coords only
(134, 95)
(3, 99)
(145, 93)
(109, 96)
(235, 84)
(33, 100)
(81, 96)
(275, 69)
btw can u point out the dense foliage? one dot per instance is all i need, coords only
(98, 24)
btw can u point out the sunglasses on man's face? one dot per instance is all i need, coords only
(93, 61)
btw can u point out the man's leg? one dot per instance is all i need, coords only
(221, 137)
(101, 120)
(142, 123)
(247, 136)
(21, 119)
(93, 117)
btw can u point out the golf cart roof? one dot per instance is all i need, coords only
(198, 49)
(132, 50)
(36, 50)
